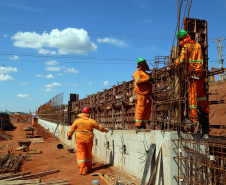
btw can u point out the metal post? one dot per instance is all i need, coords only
(220, 55)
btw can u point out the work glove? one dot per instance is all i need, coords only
(107, 130)
(69, 137)
(151, 80)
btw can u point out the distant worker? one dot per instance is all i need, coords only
(191, 55)
(84, 139)
(143, 90)
(33, 121)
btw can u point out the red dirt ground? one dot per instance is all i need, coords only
(217, 114)
(21, 118)
(53, 158)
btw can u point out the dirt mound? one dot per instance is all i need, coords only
(20, 118)
(3, 135)
(217, 114)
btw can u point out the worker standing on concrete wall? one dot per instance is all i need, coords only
(191, 55)
(142, 90)
(84, 139)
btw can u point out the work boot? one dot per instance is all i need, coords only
(139, 127)
(81, 173)
(144, 127)
(205, 126)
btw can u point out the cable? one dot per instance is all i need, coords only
(185, 12)
(70, 62)
(80, 58)
(99, 34)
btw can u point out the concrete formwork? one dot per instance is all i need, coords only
(128, 150)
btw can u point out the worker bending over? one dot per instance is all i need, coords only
(143, 90)
(84, 139)
(191, 55)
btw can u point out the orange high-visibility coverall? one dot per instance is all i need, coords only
(143, 90)
(84, 140)
(191, 54)
(33, 122)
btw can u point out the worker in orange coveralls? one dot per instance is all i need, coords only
(143, 90)
(84, 139)
(33, 121)
(191, 55)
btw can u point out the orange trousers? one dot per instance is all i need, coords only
(143, 110)
(84, 155)
(197, 94)
(33, 123)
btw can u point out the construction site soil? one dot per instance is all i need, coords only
(217, 114)
(53, 158)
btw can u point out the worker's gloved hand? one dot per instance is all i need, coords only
(69, 137)
(151, 80)
(107, 130)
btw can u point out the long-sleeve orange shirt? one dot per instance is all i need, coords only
(83, 127)
(141, 84)
(191, 53)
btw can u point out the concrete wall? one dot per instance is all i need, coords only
(127, 150)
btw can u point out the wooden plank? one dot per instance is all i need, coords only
(147, 164)
(21, 182)
(155, 171)
(55, 182)
(9, 175)
(35, 175)
(34, 151)
(108, 178)
(105, 180)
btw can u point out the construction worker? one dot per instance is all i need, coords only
(33, 121)
(191, 56)
(142, 89)
(84, 139)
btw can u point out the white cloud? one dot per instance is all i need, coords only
(53, 68)
(38, 75)
(74, 85)
(71, 70)
(106, 82)
(5, 77)
(46, 51)
(23, 83)
(5, 70)
(69, 40)
(47, 76)
(90, 83)
(15, 57)
(54, 84)
(5, 35)
(49, 90)
(51, 63)
(22, 96)
(59, 74)
(50, 76)
(112, 41)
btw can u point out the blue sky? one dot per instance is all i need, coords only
(54, 46)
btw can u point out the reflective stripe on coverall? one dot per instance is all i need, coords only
(84, 140)
(191, 53)
(143, 90)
